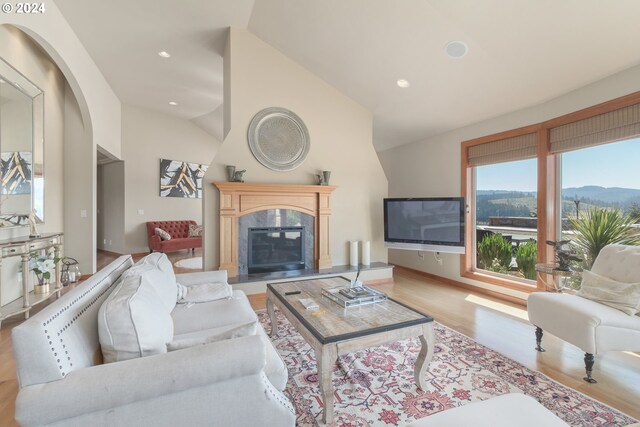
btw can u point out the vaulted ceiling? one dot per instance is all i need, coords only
(520, 53)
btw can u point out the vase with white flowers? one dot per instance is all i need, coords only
(43, 265)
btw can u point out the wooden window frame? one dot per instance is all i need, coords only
(548, 187)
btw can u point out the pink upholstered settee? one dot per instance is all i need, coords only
(179, 231)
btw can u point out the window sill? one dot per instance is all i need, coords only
(500, 280)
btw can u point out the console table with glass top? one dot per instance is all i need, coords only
(333, 330)
(24, 247)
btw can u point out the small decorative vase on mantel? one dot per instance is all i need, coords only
(231, 171)
(326, 175)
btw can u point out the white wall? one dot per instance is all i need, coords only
(431, 168)
(258, 76)
(110, 206)
(147, 137)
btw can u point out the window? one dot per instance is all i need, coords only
(530, 185)
(599, 183)
(506, 218)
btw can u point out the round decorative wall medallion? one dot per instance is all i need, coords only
(278, 139)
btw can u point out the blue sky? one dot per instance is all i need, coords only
(610, 165)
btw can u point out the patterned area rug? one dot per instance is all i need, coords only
(375, 387)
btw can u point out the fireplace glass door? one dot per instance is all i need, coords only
(275, 249)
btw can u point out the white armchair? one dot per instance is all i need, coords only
(593, 327)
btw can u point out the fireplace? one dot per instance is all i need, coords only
(240, 201)
(275, 249)
(261, 227)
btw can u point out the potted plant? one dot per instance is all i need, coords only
(42, 265)
(600, 227)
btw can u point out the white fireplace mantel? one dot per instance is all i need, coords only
(239, 198)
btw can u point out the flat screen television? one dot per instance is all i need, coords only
(425, 224)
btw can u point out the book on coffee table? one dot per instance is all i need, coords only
(350, 297)
(356, 292)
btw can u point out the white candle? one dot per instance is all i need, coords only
(354, 254)
(366, 252)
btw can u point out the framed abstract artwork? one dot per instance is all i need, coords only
(181, 179)
(16, 172)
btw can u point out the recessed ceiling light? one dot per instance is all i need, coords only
(164, 54)
(456, 49)
(173, 103)
(403, 83)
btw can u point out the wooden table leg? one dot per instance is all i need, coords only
(425, 356)
(326, 357)
(272, 316)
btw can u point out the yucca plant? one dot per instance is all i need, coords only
(526, 257)
(494, 251)
(599, 227)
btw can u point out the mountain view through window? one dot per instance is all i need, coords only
(598, 184)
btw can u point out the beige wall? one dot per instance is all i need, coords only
(99, 106)
(79, 187)
(258, 76)
(110, 211)
(432, 167)
(19, 51)
(147, 137)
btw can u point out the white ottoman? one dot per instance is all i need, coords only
(508, 410)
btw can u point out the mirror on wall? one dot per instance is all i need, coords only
(21, 148)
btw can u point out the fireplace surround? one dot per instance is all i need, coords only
(238, 199)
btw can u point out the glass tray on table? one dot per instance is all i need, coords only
(351, 297)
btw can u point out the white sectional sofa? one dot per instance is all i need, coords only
(223, 372)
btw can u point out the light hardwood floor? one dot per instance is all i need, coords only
(499, 325)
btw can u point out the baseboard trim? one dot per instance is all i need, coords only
(452, 282)
(118, 254)
(106, 252)
(374, 282)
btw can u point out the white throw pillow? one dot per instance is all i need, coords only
(163, 234)
(200, 338)
(203, 292)
(622, 296)
(158, 271)
(133, 321)
(158, 260)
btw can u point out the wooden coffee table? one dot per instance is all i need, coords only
(333, 330)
